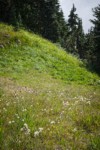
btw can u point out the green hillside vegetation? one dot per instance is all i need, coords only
(48, 99)
(25, 52)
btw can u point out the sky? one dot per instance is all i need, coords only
(84, 10)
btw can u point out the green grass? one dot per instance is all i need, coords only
(24, 51)
(48, 100)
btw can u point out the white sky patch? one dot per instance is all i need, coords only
(84, 10)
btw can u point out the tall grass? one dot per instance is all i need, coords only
(48, 99)
(38, 112)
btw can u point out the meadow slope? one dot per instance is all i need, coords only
(48, 99)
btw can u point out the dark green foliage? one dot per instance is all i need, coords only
(80, 39)
(96, 29)
(72, 24)
(75, 40)
(4, 10)
(54, 25)
(92, 43)
(42, 17)
(73, 19)
(50, 20)
(89, 49)
(63, 29)
(10, 12)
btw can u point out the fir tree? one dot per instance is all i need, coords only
(73, 19)
(62, 28)
(80, 39)
(50, 19)
(73, 26)
(89, 49)
(96, 22)
(75, 39)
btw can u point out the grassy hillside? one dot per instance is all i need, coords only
(48, 100)
(22, 51)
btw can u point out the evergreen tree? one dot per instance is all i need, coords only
(80, 39)
(75, 39)
(62, 28)
(9, 12)
(89, 49)
(5, 9)
(50, 20)
(72, 37)
(96, 22)
(73, 19)
(30, 14)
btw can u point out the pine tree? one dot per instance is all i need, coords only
(96, 22)
(73, 19)
(50, 20)
(80, 39)
(9, 12)
(62, 28)
(75, 40)
(5, 9)
(89, 49)
(73, 26)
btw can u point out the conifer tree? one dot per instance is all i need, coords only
(75, 39)
(72, 37)
(50, 20)
(5, 9)
(89, 49)
(96, 22)
(73, 19)
(80, 39)
(62, 28)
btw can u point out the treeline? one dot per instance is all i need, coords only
(45, 17)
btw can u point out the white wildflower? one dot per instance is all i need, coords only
(48, 129)
(7, 104)
(5, 109)
(52, 122)
(75, 129)
(65, 103)
(9, 122)
(76, 102)
(19, 141)
(24, 110)
(75, 97)
(36, 133)
(25, 125)
(40, 129)
(25, 129)
(88, 102)
(81, 98)
(70, 108)
(13, 121)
